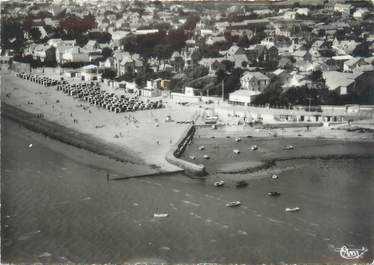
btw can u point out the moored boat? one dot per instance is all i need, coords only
(160, 215)
(241, 184)
(288, 147)
(295, 209)
(233, 204)
(219, 183)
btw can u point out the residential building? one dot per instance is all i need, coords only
(254, 81)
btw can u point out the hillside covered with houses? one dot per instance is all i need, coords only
(280, 55)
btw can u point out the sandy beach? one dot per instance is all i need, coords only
(143, 134)
(144, 137)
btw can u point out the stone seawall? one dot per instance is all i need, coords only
(173, 156)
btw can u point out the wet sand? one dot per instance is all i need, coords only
(223, 163)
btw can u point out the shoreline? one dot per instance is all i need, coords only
(318, 133)
(270, 163)
(145, 141)
(226, 165)
(142, 138)
(74, 138)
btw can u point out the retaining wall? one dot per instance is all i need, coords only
(173, 156)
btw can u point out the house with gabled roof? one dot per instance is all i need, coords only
(353, 64)
(343, 83)
(254, 81)
(252, 84)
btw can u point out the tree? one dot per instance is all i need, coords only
(362, 50)
(106, 52)
(208, 52)
(162, 51)
(191, 22)
(78, 25)
(100, 37)
(130, 43)
(11, 35)
(243, 41)
(109, 74)
(35, 34)
(178, 64)
(196, 56)
(128, 76)
(317, 76)
(196, 71)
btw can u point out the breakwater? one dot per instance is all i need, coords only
(173, 156)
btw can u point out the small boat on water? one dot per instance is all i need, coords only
(236, 151)
(201, 148)
(219, 183)
(30, 145)
(233, 204)
(274, 176)
(193, 157)
(206, 157)
(295, 209)
(273, 194)
(160, 215)
(288, 147)
(241, 184)
(237, 139)
(254, 147)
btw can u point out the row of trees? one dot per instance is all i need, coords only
(161, 44)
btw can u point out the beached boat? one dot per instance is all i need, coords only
(288, 147)
(206, 157)
(160, 215)
(274, 176)
(236, 151)
(219, 183)
(295, 209)
(254, 147)
(273, 194)
(201, 148)
(233, 204)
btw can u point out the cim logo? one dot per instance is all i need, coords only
(351, 253)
